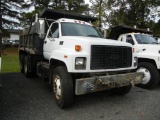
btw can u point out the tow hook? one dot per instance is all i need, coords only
(132, 83)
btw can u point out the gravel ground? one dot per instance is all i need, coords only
(32, 99)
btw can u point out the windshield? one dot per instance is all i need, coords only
(145, 39)
(75, 29)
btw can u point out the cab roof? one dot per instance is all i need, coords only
(74, 21)
(55, 14)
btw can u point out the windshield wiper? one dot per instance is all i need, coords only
(154, 43)
(144, 43)
(92, 35)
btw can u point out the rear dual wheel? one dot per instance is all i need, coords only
(21, 62)
(28, 71)
(26, 67)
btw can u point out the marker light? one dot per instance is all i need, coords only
(133, 49)
(77, 48)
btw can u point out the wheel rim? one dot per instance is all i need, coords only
(147, 75)
(57, 87)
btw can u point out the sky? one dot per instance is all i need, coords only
(32, 8)
(86, 1)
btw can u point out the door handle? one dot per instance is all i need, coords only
(45, 42)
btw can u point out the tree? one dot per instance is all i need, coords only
(156, 28)
(77, 6)
(99, 9)
(117, 12)
(10, 13)
(133, 12)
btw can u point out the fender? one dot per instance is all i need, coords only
(153, 58)
(67, 56)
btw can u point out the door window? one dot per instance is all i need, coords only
(54, 31)
(129, 39)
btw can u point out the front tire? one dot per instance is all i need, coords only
(62, 86)
(151, 75)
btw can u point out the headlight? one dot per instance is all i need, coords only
(135, 61)
(80, 63)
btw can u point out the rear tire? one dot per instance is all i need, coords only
(21, 62)
(151, 75)
(62, 86)
(122, 90)
(26, 70)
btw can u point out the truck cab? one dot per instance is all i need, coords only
(70, 38)
(147, 50)
(65, 35)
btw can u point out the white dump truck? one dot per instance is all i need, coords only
(68, 50)
(147, 49)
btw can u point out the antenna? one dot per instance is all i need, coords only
(64, 13)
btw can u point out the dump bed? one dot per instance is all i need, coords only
(55, 14)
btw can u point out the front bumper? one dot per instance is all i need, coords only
(99, 83)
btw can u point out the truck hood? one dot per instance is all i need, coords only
(149, 48)
(94, 41)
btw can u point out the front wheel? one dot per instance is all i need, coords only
(122, 90)
(151, 75)
(62, 86)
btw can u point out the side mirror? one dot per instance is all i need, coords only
(103, 31)
(40, 25)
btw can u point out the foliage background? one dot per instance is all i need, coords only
(142, 13)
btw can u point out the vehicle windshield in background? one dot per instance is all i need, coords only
(145, 39)
(75, 29)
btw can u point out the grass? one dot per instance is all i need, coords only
(10, 60)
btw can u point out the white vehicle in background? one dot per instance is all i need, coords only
(147, 49)
(15, 43)
(7, 43)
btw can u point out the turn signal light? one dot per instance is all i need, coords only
(133, 49)
(77, 48)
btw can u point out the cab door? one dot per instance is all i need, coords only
(51, 40)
